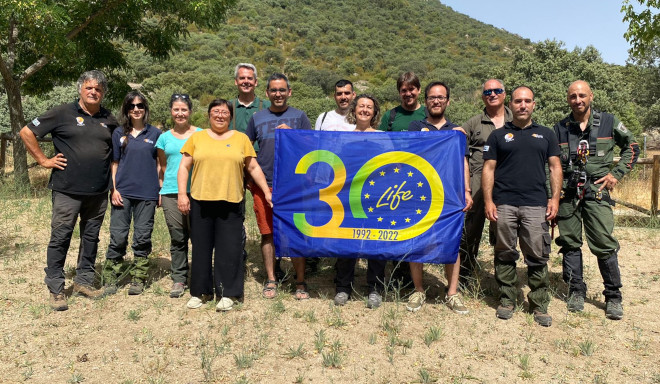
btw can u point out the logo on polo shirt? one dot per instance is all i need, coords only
(122, 139)
(537, 135)
(80, 121)
(486, 148)
(508, 137)
(425, 129)
(36, 122)
(148, 141)
(103, 125)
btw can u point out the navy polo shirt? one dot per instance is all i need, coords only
(137, 173)
(425, 126)
(521, 155)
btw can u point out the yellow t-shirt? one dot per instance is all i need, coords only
(218, 166)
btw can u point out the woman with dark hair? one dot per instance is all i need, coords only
(168, 148)
(220, 157)
(134, 193)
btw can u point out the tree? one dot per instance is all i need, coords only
(644, 28)
(50, 42)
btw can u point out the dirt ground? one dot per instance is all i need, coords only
(152, 338)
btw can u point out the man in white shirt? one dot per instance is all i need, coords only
(335, 120)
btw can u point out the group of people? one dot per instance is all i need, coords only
(200, 178)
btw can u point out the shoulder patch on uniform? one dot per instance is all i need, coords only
(486, 147)
(622, 128)
(36, 122)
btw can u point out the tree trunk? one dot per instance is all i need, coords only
(17, 122)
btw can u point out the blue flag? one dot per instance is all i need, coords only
(374, 195)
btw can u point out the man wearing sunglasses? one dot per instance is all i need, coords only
(587, 139)
(477, 129)
(80, 180)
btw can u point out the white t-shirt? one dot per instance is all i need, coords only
(333, 122)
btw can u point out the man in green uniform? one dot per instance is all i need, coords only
(477, 129)
(247, 103)
(587, 139)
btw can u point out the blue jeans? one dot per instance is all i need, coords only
(66, 209)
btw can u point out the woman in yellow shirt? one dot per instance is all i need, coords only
(220, 157)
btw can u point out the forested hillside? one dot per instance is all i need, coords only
(371, 42)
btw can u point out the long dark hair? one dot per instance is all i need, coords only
(126, 107)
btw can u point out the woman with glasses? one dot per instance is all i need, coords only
(218, 158)
(168, 148)
(134, 193)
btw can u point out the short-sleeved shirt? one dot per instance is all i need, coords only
(425, 126)
(171, 146)
(218, 166)
(86, 143)
(261, 129)
(332, 121)
(402, 118)
(137, 172)
(521, 155)
(477, 129)
(243, 113)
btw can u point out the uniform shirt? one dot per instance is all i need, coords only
(332, 121)
(86, 143)
(402, 119)
(243, 113)
(521, 155)
(477, 129)
(137, 172)
(218, 166)
(171, 146)
(261, 129)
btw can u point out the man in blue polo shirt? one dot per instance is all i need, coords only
(516, 201)
(436, 97)
(80, 180)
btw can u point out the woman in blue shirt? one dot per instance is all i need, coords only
(168, 148)
(134, 193)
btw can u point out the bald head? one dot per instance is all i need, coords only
(579, 97)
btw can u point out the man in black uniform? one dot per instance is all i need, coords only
(516, 201)
(80, 180)
(587, 139)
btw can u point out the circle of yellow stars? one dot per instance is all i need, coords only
(407, 219)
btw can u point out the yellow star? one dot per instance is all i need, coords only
(371, 209)
(382, 173)
(410, 174)
(380, 219)
(392, 222)
(419, 211)
(423, 198)
(366, 195)
(407, 219)
(396, 170)
(420, 184)
(371, 182)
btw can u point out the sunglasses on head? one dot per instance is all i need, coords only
(498, 91)
(183, 96)
(133, 106)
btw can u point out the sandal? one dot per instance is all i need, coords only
(270, 289)
(301, 294)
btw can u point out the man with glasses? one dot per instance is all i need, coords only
(516, 201)
(587, 139)
(80, 180)
(436, 96)
(477, 129)
(261, 129)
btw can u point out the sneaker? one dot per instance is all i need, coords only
(109, 289)
(224, 304)
(575, 303)
(87, 291)
(341, 298)
(195, 302)
(177, 290)
(455, 303)
(613, 310)
(374, 300)
(504, 312)
(136, 288)
(58, 302)
(542, 318)
(416, 301)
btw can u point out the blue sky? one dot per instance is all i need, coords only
(575, 22)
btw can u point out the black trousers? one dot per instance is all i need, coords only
(216, 226)
(346, 272)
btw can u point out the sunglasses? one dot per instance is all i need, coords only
(183, 96)
(133, 106)
(498, 91)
